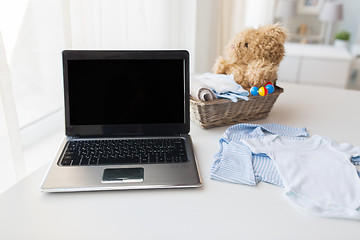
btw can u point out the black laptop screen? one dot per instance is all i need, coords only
(112, 91)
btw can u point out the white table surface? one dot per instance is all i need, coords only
(217, 210)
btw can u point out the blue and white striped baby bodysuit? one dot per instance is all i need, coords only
(235, 163)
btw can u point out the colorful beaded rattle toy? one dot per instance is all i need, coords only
(263, 91)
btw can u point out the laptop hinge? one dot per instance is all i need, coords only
(125, 136)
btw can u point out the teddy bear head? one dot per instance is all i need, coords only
(265, 43)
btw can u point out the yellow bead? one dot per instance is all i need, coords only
(262, 91)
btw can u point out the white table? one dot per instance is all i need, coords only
(216, 211)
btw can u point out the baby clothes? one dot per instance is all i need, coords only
(236, 164)
(317, 173)
(200, 90)
(223, 86)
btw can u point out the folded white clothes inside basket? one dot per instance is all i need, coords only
(199, 90)
(220, 86)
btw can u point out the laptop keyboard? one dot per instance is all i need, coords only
(127, 151)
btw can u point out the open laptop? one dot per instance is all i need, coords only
(127, 122)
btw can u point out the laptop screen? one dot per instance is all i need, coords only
(125, 92)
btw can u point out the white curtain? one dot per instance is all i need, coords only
(48, 27)
(12, 164)
(235, 15)
(130, 24)
(36, 31)
(231, 21)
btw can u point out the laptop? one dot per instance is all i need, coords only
(127, 122)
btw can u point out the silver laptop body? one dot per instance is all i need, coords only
(127, 95)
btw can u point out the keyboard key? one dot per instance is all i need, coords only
(66, 162)
(85, 160)
(76, 160)
(94, 160)
(152, 158)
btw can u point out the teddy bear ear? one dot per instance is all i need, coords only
(276, 30)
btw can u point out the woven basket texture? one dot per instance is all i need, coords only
(222, 112)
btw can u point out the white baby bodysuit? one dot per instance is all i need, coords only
(317, 173)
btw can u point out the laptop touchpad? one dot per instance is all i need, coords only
(125, 175)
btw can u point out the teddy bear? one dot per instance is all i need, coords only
(253, 56)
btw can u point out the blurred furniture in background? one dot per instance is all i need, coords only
(315, 64)
(354, 82)
(285, 9)
(301, 19)
(330, 13)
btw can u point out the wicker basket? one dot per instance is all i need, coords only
(222, 112)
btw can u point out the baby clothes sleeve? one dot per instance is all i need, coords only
(356, 161)
(233, 164)
(346, 148)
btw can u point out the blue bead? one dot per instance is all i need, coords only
(270, 88)
(254, 91)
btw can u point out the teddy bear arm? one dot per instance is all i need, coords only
(220, 66)
(238, 71)
(260, 73)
